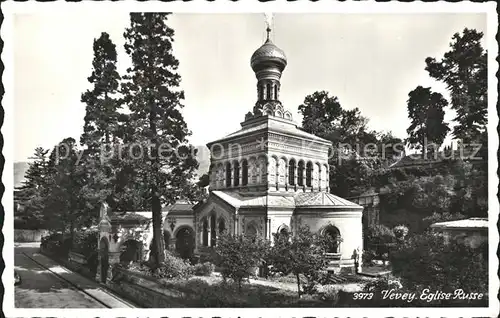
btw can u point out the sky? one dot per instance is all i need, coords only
(369, 61)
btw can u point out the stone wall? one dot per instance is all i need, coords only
(29, 235)
(143, 290)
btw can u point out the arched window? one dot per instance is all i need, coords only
(244, 172)
(251, 232)
(236, 173)
(222, 225)
(334, 239)
(283, 233)
(268, 88)
(205, 232)
(309, 169)
(276, 92)
(300, 174)
(291, 172)
(131, 251)
(228, 174)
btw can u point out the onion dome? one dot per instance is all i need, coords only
(268, 55)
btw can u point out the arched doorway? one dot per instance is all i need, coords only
(334, 239)
(205, 232)
(104, 257)
(222, 226)
(251, 232)
(131, 251)
(185, 242)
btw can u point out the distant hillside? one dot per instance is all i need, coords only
(20, 169)
(203, 157)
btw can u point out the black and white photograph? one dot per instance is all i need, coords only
(292, 161)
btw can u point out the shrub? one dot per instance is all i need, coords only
(204, 269)
(329, 294)
(238, 256)
(369, 256)
(56, 244)
(85, 242)
(400, 232)
(427, 261)
(378, 238)
(173, 267)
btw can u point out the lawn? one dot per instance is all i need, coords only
(214, 292)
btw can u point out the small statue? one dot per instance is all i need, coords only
(104, 210)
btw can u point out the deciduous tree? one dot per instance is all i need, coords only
(303, 254)
(426, 112)
(464, 71)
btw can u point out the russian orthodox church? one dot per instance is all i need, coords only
(272, 177)
(268, 177)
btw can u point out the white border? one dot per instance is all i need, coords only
(10, 8)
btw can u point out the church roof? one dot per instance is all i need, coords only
(179, 208)
(472, 223)
(321, 199)
(272, 124)
(302, 199)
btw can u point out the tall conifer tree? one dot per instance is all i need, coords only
(164, 161)
(30, 194)
(101, 123)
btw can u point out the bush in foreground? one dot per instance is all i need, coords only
(238, 256)
(303, 254)
(204, 269)
(428, 261)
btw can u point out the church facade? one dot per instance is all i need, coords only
(270, 176)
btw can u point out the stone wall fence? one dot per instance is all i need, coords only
(21, 235)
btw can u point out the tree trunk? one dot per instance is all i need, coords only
(157, 229)
(155, 198)
(298, 283)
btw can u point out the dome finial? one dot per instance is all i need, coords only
(269, 23)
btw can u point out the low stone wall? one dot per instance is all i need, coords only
(29, 235)
(144, 290)
(74, 265)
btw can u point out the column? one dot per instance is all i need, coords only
(240, 170)
(268, 235)
(295, 177)
(236, 224)
(114, 258)
(209, 230)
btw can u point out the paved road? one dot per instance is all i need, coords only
(44, 284)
